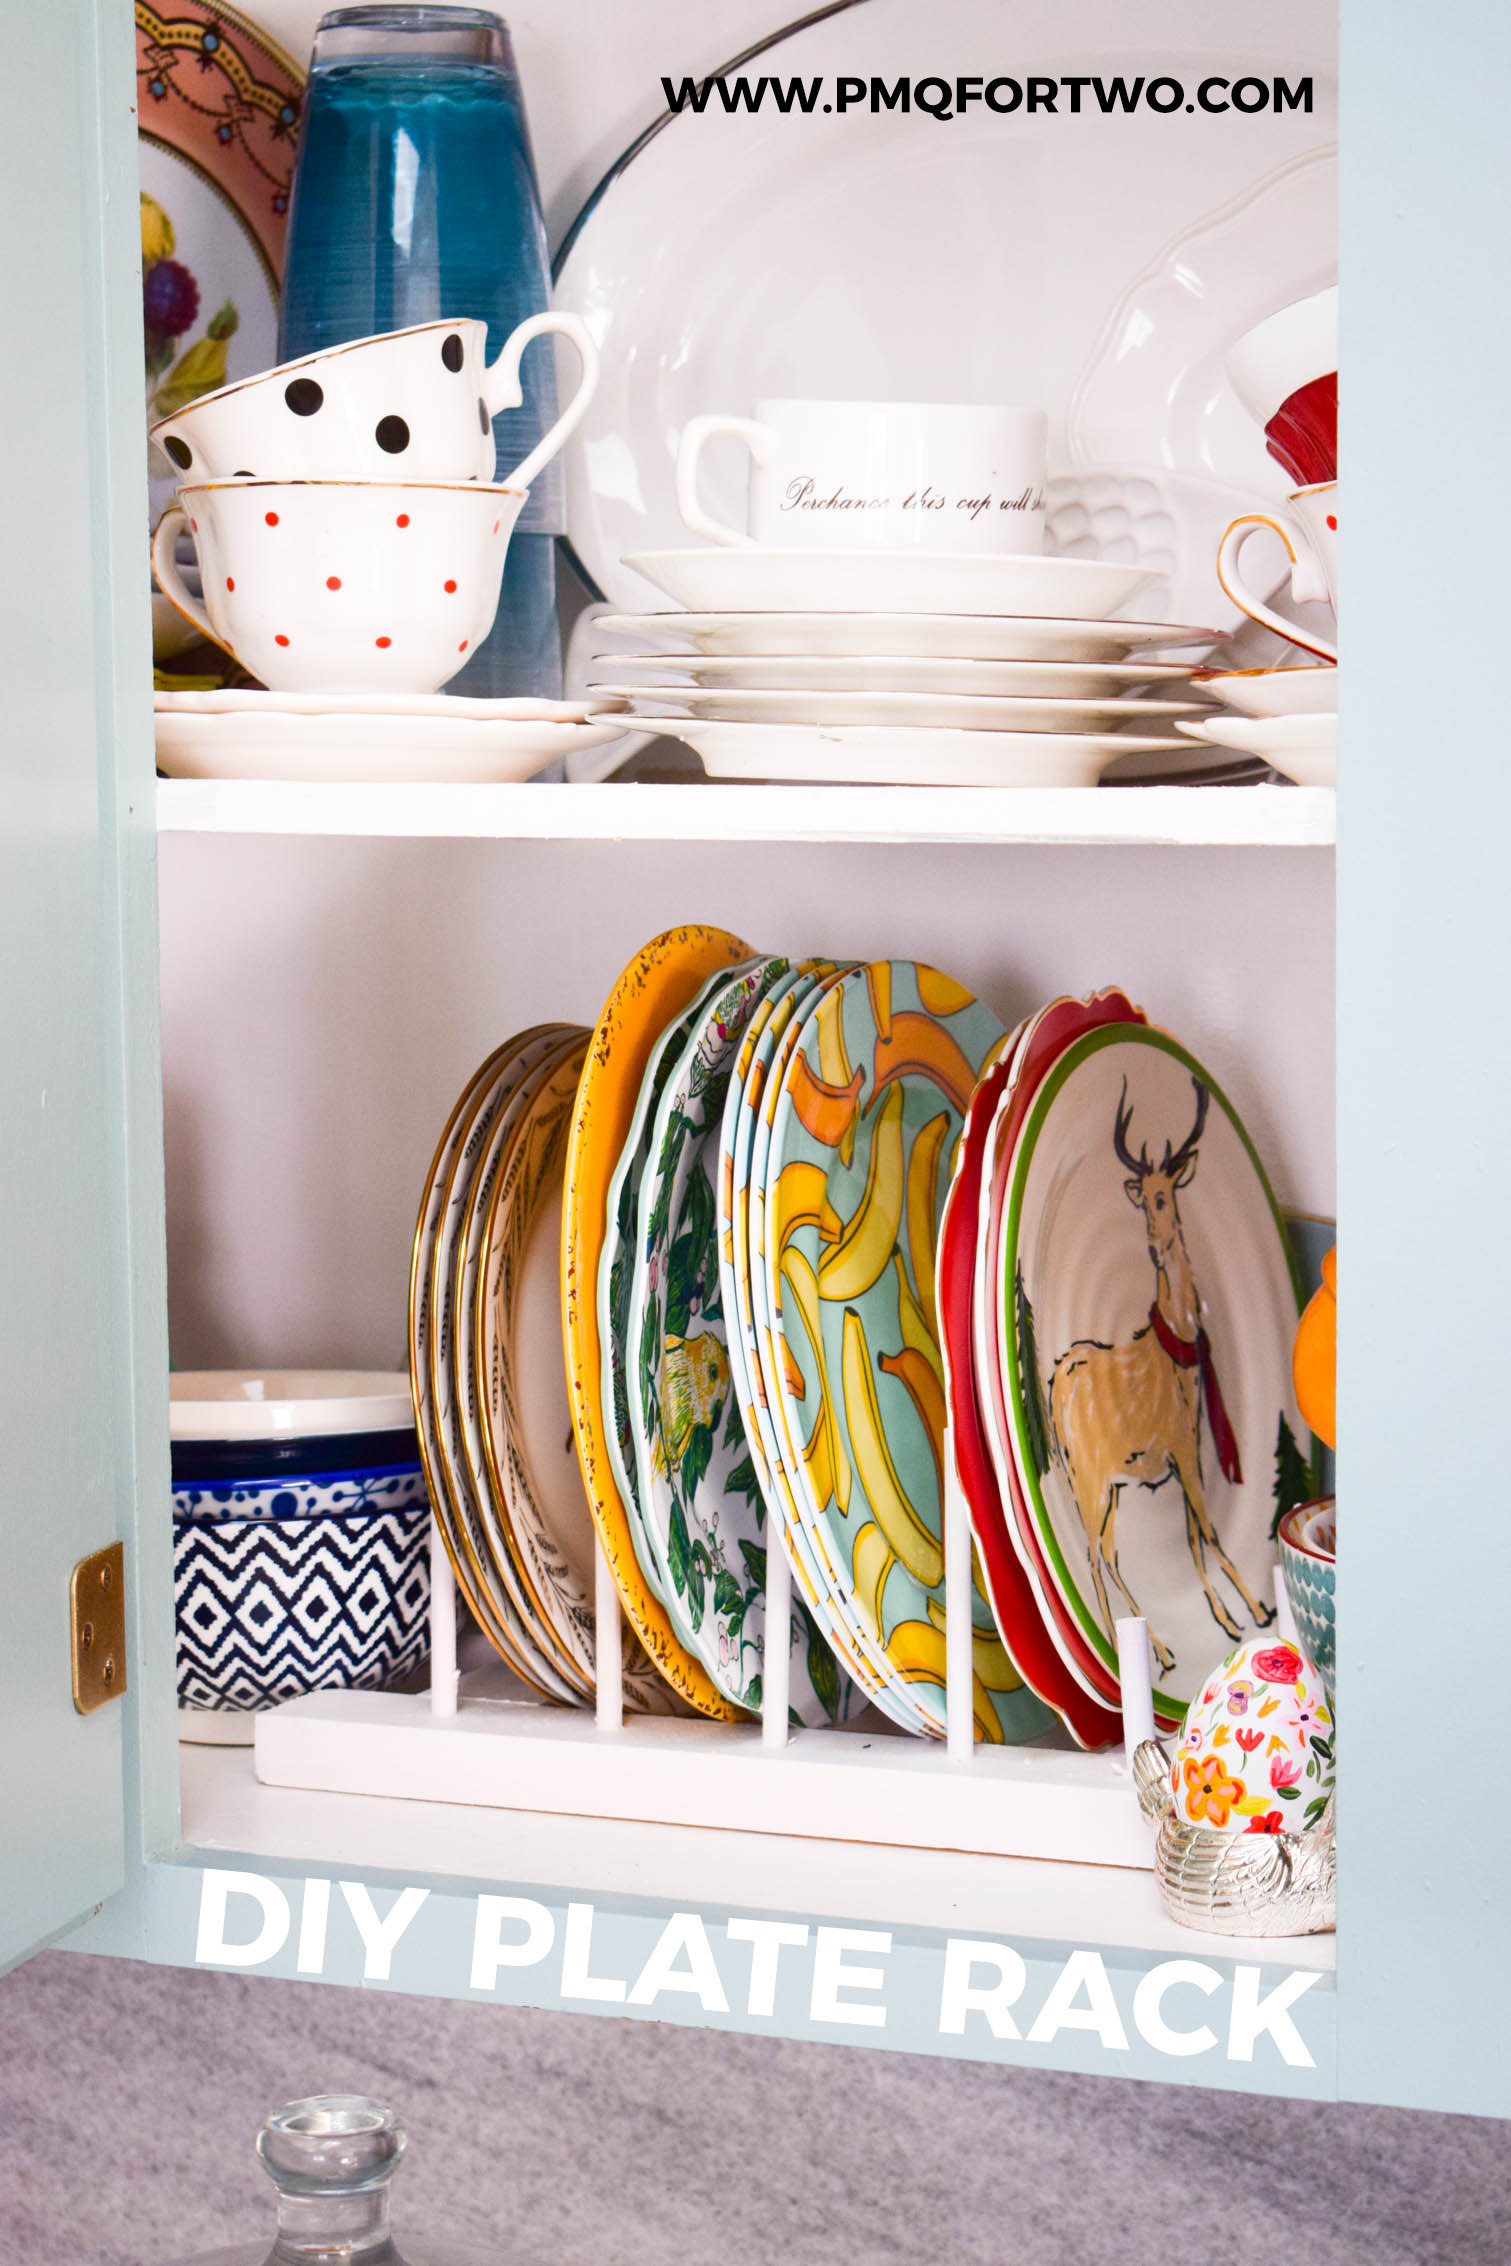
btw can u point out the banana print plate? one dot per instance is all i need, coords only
(804, 1461)
(699, 1490)
(748, 1082)
(659, 984)
(873, 1098)
(1148, 1305)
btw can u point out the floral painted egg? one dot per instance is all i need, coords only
(1257, 1752)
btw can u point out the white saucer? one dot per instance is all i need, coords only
(824, 672)
(1308, 690)
(367, 748)
(260, 703)
(755, 579)
(894, 755)
(924, 711)
(907, 635)
(1304, 747)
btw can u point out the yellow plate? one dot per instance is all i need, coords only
(657, 985)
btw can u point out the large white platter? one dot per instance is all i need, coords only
(895, 256)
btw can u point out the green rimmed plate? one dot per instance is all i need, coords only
(700, 1497)
(1147, 1296)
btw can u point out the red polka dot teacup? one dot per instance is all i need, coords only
(408, 405)
(343, 585)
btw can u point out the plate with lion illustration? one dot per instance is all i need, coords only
(1147, 1301)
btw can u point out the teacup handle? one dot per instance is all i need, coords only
(695, 433)
(1307, 582)
(171, 582)
(502, 388)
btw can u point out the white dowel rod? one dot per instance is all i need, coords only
(1133, 1676)
(958, 1664)
(1285, 1619)
(776, 1667)
(443, 1675)
(608, 1651)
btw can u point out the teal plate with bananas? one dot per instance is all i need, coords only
(873, 1098)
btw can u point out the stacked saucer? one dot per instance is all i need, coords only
(895, 668)
(1286, 717)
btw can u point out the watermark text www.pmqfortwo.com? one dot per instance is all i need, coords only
(945, 98)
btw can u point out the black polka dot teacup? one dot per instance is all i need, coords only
(409, 405)
(365, 586)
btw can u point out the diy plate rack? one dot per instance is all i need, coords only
(473, 1740)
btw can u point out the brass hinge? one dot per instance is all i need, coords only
(97, 1596)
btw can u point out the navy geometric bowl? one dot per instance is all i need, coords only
(304, 1585)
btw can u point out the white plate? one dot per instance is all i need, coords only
(908, 636)
(1156, 387)
(929, 711)
(861, 256)
(286, 1404)
(759, 580)
(248, 703)
(1276, 692)
(797, 672)
(364, 748)
(894, 755)
(1305, 748)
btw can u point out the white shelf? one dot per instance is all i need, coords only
(228, 1812)
(1277, 817)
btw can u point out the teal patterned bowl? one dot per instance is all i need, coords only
(1309, 1555)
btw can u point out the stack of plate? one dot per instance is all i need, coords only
(485, 1370)
(889, 667)
(1117, 1303)
(1287, 717)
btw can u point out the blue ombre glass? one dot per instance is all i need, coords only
(414, 200)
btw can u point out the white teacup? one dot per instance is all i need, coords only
(343, 585)
(1312, 541)
(879, 476)
(408, 405)
(1285, 352)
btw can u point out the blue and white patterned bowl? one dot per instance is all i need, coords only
(292, 1585)
(1309, 1556)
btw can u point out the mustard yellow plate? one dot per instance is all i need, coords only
(659, 983)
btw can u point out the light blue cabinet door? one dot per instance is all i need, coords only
(74, 464)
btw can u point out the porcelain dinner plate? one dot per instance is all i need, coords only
(1148, 1303)
(907, 636)
(882, 255)
(660, 983)
(1156, 385)
(855, 1314)
(896, 755)
(364, 748)
(925, 711)
(1027, 680)
(713, 579)
(245, 702)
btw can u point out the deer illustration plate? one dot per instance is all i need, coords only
(861, 1150)
(1148, 1304)
(701, 1501)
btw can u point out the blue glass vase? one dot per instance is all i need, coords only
(415, 200)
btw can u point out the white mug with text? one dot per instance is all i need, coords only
(879, 476)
